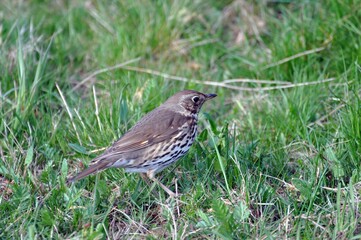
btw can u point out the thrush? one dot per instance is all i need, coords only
(159, 139)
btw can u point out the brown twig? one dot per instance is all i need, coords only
(287, 59)
(224, 83)
(103, 70)
(321, 119)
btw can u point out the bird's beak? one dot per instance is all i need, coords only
(210, 96)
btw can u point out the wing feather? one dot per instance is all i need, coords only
(146, 133)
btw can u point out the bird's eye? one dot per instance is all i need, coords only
(195, 99)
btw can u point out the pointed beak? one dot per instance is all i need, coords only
(210, 96)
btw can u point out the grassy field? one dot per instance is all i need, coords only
(279, 150)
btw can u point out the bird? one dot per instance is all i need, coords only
(156, 141)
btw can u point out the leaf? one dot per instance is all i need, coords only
(212, 123)
(78, 148)
(337, 169)
(221, 211)
(224, 218)
(206, 221)
(64, 167)
(29, 156)
(97, 234)
(213, 126)
(214, 142)
(102, 188)
(221, 161)
(31, 232)
(203, 136)
(241, 212)
(304, 187)
(47, 218)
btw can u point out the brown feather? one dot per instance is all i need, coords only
(143, 135)
(90, 170)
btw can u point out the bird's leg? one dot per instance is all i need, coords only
(150, 175)
(146, 180)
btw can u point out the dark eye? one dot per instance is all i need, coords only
(195, 99)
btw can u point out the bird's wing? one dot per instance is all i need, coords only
(151, 129)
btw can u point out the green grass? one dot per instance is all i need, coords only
(273, 160)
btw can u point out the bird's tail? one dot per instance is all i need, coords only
(96, 167)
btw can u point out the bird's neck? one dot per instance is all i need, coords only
(193, 113)
(188, 114)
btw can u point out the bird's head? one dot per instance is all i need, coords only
(189, 101)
